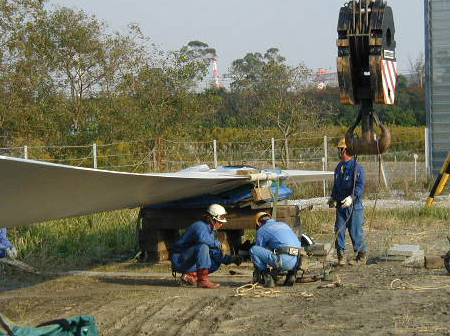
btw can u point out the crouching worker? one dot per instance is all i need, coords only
(198, 252)
(276, 246)
(7, 250)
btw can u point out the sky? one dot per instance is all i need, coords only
(303, 30)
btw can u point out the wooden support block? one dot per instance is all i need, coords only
(156, 243)
(434, 262)
(237, 219)
(160, 227)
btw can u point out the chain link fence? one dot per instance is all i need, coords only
(399, 168)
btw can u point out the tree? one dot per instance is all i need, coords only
(74, 51)
(417, 70)
(20, 79)
(278, 91)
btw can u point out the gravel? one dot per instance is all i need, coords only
(321, 202)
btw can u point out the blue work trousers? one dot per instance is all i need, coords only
(354, 225)
(197, 257)
(2, 253)
(263, 258)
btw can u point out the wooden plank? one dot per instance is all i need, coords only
(242, 223)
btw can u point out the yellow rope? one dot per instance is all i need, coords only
(399, 284)
(256, 291)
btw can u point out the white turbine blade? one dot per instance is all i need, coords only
(33, 191)
(308, 175)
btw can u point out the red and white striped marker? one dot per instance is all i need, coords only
(389, 69)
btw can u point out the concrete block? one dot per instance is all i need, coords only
(319, 249)
(392, 258)
(403, 250)
(434, 262)
(416, 258)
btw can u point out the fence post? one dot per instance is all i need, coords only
(427, 157)
(325, 149)
(25, 152)
(273, 153)
(158, 154)
(324, 182)
(215, 153)
(382, 171)
(94, 154)
(415, 167)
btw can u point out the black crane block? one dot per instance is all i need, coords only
(367, 70)
(366, 62)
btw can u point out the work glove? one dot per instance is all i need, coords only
(11, 253)
(331, 202)
(346, 202)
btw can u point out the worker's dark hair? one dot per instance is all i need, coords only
(264, 219)
(206, 217)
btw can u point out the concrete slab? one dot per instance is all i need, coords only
(416, 256)
(403, 250)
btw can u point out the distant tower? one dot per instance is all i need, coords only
(215, 72)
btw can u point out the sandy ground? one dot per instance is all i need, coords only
(150, 302)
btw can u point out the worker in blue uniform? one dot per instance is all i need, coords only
(198, 252)
(276, 246)
(7, 250)
(346, 197)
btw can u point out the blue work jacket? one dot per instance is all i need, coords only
(343, 183)
(4, 241)
(276, 234)
(198, 233)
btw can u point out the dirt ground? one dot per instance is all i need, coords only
(149, 301)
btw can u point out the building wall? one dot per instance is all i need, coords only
(437, 62)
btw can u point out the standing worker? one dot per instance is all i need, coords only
(346, 197)
(276, 246)
(198, 252)
(7, 250)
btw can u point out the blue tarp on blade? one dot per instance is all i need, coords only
(240, 194)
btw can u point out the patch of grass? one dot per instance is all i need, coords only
(96, 239)
(408, 218)
(77, 242)
(317, 222)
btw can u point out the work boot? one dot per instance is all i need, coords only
(203, 279)
(268, 280)
(236, 259)
(257, 277)
(359, 260)
(291, 277)
(189, 279)
(342, 261)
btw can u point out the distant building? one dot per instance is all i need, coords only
(324, 78)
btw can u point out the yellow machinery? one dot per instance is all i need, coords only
(440, 182)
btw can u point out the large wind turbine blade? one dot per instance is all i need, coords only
(33, 191)
(308, 175)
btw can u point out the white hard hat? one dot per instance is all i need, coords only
(217, 212)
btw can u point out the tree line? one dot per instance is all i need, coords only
(66, 79)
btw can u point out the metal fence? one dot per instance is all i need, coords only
(161, 155)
